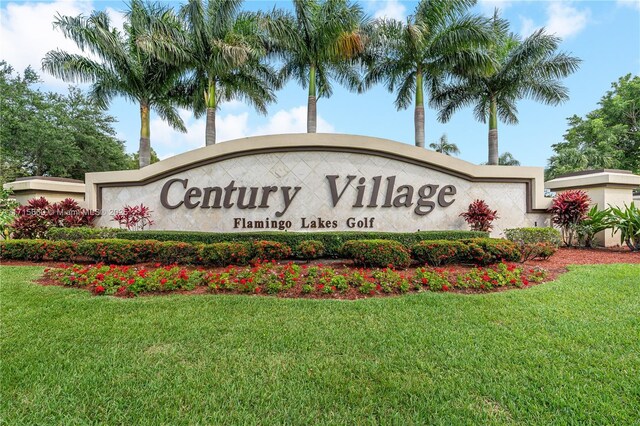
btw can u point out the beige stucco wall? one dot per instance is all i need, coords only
(305, 161)
(52, 190)
(605, 188)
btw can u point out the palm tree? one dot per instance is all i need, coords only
(420, 53)
(507, 159)
(528, 68)
(222, 53)
(320, 42)
(444, 147)
(121, 67)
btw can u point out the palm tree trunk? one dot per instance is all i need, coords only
(210, 99)
(311, 103)
(418, 115)
(493, 133)
(144, 153)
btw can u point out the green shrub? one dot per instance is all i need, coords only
(534, 235)
(121, 252)
(377, 253)
(270, 250)
(627, 222)
(310, 249)
(170, 252)
(332, 241)
(82, 233)
(484, 251)
(222, 254)
(535, 242)
(22, 250)
(438, 252)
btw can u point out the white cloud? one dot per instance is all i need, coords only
(629, 3)
(292, 121)
(168, 142)
(565, 20)
(26, 32)
(488, 6)
(528, 26)
(390, 9)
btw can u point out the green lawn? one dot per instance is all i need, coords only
(562, 352)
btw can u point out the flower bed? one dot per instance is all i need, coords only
(289, 280)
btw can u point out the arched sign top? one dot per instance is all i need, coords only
(304, 175)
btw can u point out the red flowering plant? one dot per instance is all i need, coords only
(390, 281)
(273, 278)
(34, 219)
(134, 218)
(435, 279)
(479, 216)
(568, 209)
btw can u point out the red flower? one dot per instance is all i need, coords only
(131, 281)
(100, 276)
(425, 281)
(525, 281)
(163, 281)
(445, 288)
(100, 289)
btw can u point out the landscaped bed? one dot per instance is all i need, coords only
(334, 278)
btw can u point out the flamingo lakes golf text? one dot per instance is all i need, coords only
(359, 192)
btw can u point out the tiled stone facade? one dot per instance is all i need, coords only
(309, 170)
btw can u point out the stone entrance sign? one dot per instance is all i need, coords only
(319, 182)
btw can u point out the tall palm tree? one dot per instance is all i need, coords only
(419, 53)
(444, 147)
(321, 41)
(121, 68)
(528, 68)
(223, 52)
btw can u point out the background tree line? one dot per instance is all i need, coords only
(50, 134)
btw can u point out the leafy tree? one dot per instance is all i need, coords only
(444, 147)
(49, 134)
(608, 137)
(421, 52)
(122, 68)
(507, 159)
(320, 42)
(134, 161)
(528, 68)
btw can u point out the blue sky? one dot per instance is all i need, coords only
(604, 34)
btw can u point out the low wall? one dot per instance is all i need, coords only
(605, 187)
(52, 188)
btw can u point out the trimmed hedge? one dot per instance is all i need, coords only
(534, 236)
(481, 251)
(332, 241)
(123, 252)
(223, 254)
(82, 233)
(439, 252)
(377, 253)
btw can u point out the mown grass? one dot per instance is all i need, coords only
(566, 352)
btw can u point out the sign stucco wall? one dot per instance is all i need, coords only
(319, 183)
